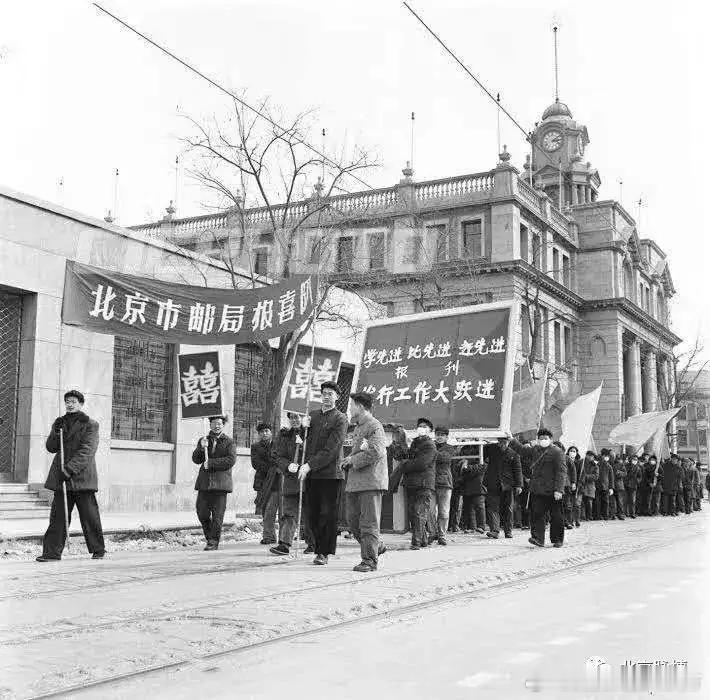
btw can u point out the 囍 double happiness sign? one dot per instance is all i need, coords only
(454, 367)
(200, 384)
(117, 304)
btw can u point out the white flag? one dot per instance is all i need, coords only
(578, 421)
(637, 430)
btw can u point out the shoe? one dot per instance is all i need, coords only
(576, 523)
(525, 527)
(280, 549)
(364, 567)
(480, 530)
(381, 549)
(265, 541)
(442, 541)
(568, 526)
(320, 560)
(47, 558)
(537, 543)
(309, 549)
(620, 517)
(492, 535)
(509, 535)
(101, 555)
(210, 546)
(557, 544)
(414, 546)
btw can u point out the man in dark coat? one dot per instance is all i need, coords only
(523, 498)
(672, 484)
(631, 484)
(419, 480)
(80, 440)
(546, 488)
(605, 485)
(214, 480)
(473, 472)
(266, 481)
(503, 481)
(573, 496)
(324, 455)
(620, 486)
(444, 481)
(689, 480)
(288, 457)
(656, 469)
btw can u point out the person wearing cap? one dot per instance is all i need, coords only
(419, 480)
(605, 485)
(367, 480)
(80, 441)
(214, 480)
(503, 480)
(672, 484)
(634, 475)
(327, 428)
(656, 471)
(266, 481)
(444, 481)
(547, 483)
(588, 478)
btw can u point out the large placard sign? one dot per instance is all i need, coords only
(200, 385)
(454, 367)
(110, 302)
(306, 378)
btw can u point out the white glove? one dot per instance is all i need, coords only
(364, 445)
(293, 468)
(557, 495)
(299, 440)
(306, 421)
(303, 471)
(611, 492)
(574, 487)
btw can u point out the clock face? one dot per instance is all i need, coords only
(552, 140)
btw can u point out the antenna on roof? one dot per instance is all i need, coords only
(115, 195)
(177, 165)
(411, 143)
(555, 28)
(60, 191)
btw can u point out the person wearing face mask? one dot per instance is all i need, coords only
(327, 429)
(420, 481)
(620, 487)
(605, 485)
(573, 499)
(444, 482)
(588, 483)
(672, 484)
(217, 454)
(633, 480)
(503, 481)
(547, 483)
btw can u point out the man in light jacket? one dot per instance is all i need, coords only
(367, 480)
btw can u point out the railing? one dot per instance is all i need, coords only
(559, 218)
(454, 186)
(528, 194)
(376, 199)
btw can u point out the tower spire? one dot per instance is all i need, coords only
(557, 90)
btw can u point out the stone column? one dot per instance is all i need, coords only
(575, 194)
(650, 383)
(633, 391)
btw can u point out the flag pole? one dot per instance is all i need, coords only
(64, 487)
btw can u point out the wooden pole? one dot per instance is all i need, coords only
(64, 487)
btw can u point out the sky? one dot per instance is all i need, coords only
(82, 97)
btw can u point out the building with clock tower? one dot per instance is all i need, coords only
(558, 145)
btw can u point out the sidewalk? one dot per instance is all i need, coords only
(114, 523)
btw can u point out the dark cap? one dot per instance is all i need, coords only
(606, 452)
(262, 426)
(331, 385)
(224, 419)
(441, 430)
(292, 414)
(544, 432)
(76, 394)
(363, 398)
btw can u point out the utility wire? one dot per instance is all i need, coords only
(223, 89)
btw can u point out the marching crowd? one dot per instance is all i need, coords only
(302, 477)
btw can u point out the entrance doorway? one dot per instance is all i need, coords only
(10, 326)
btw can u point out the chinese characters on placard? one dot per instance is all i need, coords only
(201, 318)
(324, 372)
(451, 387)
(201, 387)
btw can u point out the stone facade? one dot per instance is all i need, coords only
(574, 262)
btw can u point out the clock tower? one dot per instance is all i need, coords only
(558, 146)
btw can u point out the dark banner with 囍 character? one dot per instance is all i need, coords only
(200, 385)
(454, 367)
(110, 302)
(306, 378)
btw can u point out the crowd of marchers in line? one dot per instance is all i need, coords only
(302, 476)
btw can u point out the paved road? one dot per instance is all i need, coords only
(647, 605)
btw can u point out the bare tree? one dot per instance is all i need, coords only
(260, 174)
(686, 366)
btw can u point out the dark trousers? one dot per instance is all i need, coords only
(323, 503)
(499, 505)
(521, 512)
(571, 507)
(474, 512)
(418, 506)
(679, 501)
(670, 504)
(210, 507)
(655, 505)
(540, 507)
(603, 503)
(455, 511)
(645, 496)
(89, 517)
(364, 509)
(631, 502)
(588, 507)
(688, 498)
(620, 502)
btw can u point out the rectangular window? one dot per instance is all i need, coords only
(377, 251)
(315, 251)
(568, 345)
(143, 390)
(702, 411)
(537, 251)
(472, 239)
(702, 437)
(556, 264)
(389, 308)
(558, 343)
(249, 389)
(565, 271)
(438, 233)
(416, 251)
(682, 438)
(544, 332)
(524, 244)
(344, 261)
(261, 261)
